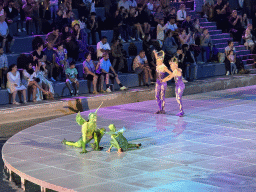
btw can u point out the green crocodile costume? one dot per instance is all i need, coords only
(89, 132)
(118, 140)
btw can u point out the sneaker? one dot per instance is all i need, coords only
(180, 114)
(72, 93)
(123, 88)
(24, 29)
(19, 30)
(227, 73)
(108, 90)
(119, 37)
(133, 39)
(129, 41)
(158, 112)
(236, 71)
(139, 39)
(143, 36)
(102, 91)
(184, 80)
(162, 112)
(123, 40)
(53, 79)
(205, 16)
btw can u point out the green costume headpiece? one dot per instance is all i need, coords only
(160, 55)
(91, 115)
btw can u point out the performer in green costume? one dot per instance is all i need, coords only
(89, 132)
(118, 140)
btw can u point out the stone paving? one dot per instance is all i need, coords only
(211, 148)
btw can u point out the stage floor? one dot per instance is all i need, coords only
(211, 148)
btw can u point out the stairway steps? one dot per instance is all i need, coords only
(220, 36)
(206, 24)
(215, 32)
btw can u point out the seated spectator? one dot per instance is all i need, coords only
(93, 26)
(31, 83)
(21, 17)
(50, 61)
(208, 8)
(38, 54)
(229, 48)
(188, 24)
(54, 37)
(232, 59)
(70, 43)
(147, 46)
(61, 56)
(141, 67)
(127, 30)
(220, 15)
(59, 21)
(133, 18)
(245, 21)
(206, 43)
(5, 38)
(180, 57)
(160, 32)
(171, 25)
(79, 37)
(159, 14)
(102, 47)
(236, 28)
(189, 64)
(184, 37)
(2, 9)
(68, 17)
(31, 10)
(42, 74)
(143, 18)
(3, 69)
(71, 78)
(11, 17)
(118, 24)
(197, 28)
(105, 67)
(118, 59)
(172, 14)
(249, 43)
(170, 46)
(181, 14)
(124, 3)
(14, 84)
(90, 73)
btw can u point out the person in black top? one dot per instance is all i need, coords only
(93, 26)
(143, 18)
(236, 28)
(11, 17)
(117, 22)
(38, 54)
(58, 22)
(188, 24)
(220, 15)
(189, 64)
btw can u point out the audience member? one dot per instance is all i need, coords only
(189, 64)
(206, 43)
(14, 84)
(236, 28)
(118, 59)
(5, 38)
(38, 54)
(229, 48)
(172, 14)
(102, 47)
(188, 24)
(54, 37)
(184, 37)
(141, 67)
(105, 67)
(181, 14)
(170, 46)
(147, 46)
(220, 15)
(50, 61)
(232, 60)
(124, 3)
(53, 8)
(59, 21)
(208, 8)
(143, 18)
(79, 37)
(249, 43)
(61, 56)
(90, 73)
(245, 21)
(71, 78)
(159, 14)
(171, 25)
(11, 17)
(93, 26)
(160, 31)
(133, 17)
(3, 69)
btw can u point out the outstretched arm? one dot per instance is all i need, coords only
(169, 77)
(79, 119)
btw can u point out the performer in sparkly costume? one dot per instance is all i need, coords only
(161, 86)
(179, 84)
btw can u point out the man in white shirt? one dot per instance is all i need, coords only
(5, 38)
(124, 3)
(102, 47)
(171, 25)
(181, 14)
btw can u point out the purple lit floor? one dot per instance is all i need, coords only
(211, 148)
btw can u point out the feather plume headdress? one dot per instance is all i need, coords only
(160, 55)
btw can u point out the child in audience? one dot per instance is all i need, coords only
(71, 78)
(232, 59)
(61, 56)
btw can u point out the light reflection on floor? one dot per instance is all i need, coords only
(211, 148)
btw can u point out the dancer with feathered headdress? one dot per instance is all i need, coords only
(161, 86)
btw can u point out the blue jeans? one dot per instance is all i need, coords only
(53, 9)
(191, 71)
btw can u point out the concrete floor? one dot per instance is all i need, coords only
(211, 148)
